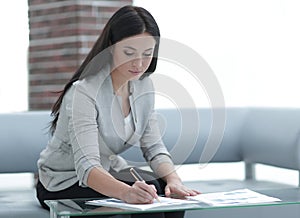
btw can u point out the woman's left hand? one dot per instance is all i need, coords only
(176, 188)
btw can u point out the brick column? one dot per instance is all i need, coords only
(61, 34)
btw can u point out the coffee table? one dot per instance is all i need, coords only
(66, 208)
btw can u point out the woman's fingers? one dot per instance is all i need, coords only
(145, 192)
(179, 191)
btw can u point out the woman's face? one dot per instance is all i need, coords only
(132, 56)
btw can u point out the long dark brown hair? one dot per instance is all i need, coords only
(126, 22)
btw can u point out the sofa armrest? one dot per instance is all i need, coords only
(22, 137)
(270, 135)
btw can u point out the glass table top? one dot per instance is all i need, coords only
(76, 207)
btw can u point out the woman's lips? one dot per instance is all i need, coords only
(134, 72)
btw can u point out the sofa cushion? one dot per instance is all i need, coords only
(186, 140)
(21, 203)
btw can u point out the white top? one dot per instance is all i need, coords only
(128, 126)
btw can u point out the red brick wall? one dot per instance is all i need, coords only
(61, 34)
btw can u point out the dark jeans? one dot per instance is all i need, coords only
(76, 191)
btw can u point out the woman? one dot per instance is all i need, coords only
(103, 110)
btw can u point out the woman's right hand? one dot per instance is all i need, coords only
(140, 193)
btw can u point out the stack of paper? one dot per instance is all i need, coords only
(231, 198)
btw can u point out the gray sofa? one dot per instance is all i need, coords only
(251, 135)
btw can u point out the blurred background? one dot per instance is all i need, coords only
(253, 48)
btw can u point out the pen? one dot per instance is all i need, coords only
(137, 177)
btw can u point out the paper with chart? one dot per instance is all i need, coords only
(230, 198)
(236, 197)
(164, 202)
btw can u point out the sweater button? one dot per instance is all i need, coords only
(112, 157)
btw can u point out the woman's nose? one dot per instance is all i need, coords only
(137, 62)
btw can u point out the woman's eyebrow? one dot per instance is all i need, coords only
(149, 49)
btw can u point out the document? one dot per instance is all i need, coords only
(232, 198)
(164, 202)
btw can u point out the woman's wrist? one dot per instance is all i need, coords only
(173, 178)
(123, 192)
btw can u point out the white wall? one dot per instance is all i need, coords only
(13, 56)
(253, 46)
